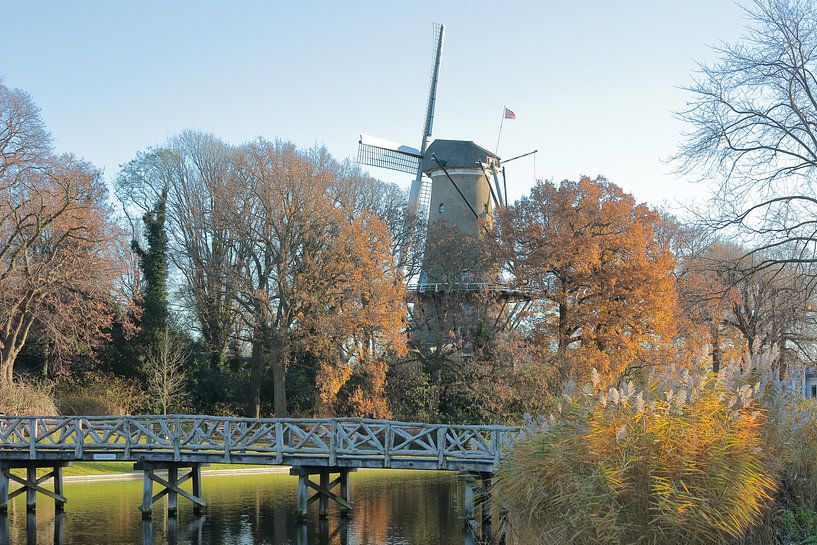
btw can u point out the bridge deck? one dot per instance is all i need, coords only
(331, 442)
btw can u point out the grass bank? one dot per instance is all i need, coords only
(96, 469)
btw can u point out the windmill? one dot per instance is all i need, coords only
(454, 193)
(456, 181)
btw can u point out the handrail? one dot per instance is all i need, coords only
(372, 442)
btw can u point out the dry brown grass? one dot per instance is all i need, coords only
(27, 399)
(99, 395)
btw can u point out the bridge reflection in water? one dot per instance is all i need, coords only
(193, 533)
(422, 508)
(321, 452)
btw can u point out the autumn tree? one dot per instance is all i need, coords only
(315, 275)
(708, 302)
(59, 263)
(601, 281)
(387, 201)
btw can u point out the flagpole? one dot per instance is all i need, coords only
(501, 122)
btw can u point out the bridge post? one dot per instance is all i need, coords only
(31, 494)
(4, 490)
(477, 492)
(147, 496)
(323, 489)
(468, 482)
(170, 487)
(31, 484)
(344, 494)
(323, 501)
(487, 517)
(196, 471)
(172, 499)
(303, 497)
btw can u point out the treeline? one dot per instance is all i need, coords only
(263, 279)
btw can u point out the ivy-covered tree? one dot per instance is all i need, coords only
(154, 264)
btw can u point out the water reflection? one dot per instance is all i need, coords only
(399, 508)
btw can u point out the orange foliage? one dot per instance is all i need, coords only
(320, 275)
(358, 319)
(604, 282)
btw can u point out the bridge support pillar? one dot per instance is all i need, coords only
(323, 489)
(31, 484)
(170, 487)
(477, 497)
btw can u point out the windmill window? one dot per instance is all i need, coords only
(442, 208)
(814, 391)
(485, 208)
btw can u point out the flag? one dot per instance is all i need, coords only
(509, 114)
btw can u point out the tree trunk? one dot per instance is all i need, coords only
(8, 355)
(6, 371)
(254, 405)
(279, 389)
(563, 339)
(781, 358)
(716, 349)
(437, 381)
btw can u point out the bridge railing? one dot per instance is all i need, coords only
(273, 440)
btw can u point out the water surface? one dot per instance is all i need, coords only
(391, 508)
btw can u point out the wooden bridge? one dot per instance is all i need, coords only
(312, 447)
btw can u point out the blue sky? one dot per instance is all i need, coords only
(593, 83)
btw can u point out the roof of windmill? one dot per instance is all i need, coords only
(455, 154)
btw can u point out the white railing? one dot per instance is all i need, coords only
(356, 442)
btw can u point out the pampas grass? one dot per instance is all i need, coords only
(680, 460)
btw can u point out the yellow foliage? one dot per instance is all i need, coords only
(679, 462)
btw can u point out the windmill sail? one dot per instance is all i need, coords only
(421, 188)
(376, 152)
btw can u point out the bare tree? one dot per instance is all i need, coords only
(754, 128)
(164, 370)
(60, 255)
(24, 140)
(197, 170)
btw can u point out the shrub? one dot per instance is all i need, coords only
(677, 461)
(99, 394)
(27, 399)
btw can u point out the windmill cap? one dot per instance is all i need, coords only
(456, 154)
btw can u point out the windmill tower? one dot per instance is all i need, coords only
(454, 193)
(456, 181)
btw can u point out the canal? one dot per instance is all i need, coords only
(391, 508)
